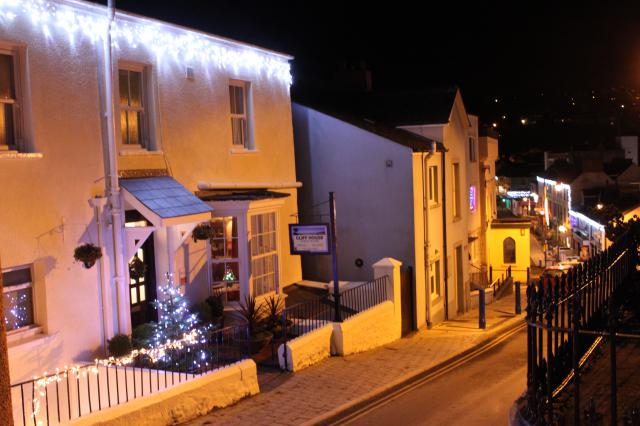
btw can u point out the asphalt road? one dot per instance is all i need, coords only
(479, 392)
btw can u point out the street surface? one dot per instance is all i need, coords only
(479, 392)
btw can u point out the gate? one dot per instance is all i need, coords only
(407, 298)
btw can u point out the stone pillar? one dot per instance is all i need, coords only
(391, 268)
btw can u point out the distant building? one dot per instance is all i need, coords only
(630, 146)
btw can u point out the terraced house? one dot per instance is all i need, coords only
(129, 148)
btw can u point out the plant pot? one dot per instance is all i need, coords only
(88, 263)
(256, 342)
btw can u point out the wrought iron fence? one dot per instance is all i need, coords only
(363, 297)
(78, 391)
(307, 316)
(566, 318)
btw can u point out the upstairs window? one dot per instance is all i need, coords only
(472, 150)
(133, 115)
(240, 115)
(9, 105)
(455, 190)
(17, 298)
(434, 272)
(433, 185)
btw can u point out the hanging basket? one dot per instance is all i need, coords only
(203, 231)
(87, 254)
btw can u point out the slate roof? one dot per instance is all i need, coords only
(164, 196)
(401, 137)
(397, 108)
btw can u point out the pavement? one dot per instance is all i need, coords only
(321, 392)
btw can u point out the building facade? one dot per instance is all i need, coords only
(130, 153)
(412, 189)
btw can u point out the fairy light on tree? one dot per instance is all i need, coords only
(174, 317)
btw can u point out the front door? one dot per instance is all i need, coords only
(460, 279)
(142, 285)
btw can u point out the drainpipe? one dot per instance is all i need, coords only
(425, 237)
(444, 237)
(98, 204)
(113, 186)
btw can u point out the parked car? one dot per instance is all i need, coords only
(559, 270)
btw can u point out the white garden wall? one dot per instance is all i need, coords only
(183, 402)
(307, 349)
(367, 330)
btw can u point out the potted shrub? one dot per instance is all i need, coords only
(257, 337)
(203, 231)
(119, 345)
(87, 254)
(216, 305)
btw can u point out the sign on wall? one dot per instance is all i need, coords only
(309, 239)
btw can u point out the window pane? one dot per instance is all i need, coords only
(218, 228)
(217, 247)
(134, 296)
(18, 308)
(218, 271)
(6, 77)
(135, 88)
(133, 121)
(124, 127)
(123, 82)
(16, 277)
(143, 295)
(238, 129)
(232, 99)
(239, 100)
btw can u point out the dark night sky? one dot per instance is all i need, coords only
(499, 49)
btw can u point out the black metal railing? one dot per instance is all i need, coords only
(566, 316)
(79, 391)
(364, 296)
(307, 316)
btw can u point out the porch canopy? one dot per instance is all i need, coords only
(164, 201)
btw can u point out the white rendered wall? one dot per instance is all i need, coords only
(374, 202)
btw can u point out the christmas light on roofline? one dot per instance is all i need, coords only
(164, 40)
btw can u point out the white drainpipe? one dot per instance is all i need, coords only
(113, 187)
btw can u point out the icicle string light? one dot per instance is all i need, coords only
(164, 40)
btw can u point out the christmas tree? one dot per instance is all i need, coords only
(174, 317)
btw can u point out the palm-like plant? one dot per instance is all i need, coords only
(252, 313)
(274, 305)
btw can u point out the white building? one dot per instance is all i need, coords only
(405, 169)
(194, 114)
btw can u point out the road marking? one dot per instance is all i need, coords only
(386, 399)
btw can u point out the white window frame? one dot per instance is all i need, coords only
(259, 256)
(18, 100)
(11, 334)
(226, 259)
(145, 110)
(247, 139)
(434, 190)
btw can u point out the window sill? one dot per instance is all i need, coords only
(16, 155)
(243, 151)
(28, 338)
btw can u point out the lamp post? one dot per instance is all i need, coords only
(561, 229)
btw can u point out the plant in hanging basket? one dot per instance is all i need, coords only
(87, 254)
(203, 231)
(137, 268)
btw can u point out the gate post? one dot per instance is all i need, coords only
(390, 268)
(518, 304)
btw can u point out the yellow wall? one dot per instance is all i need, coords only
(523, 250)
